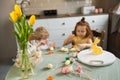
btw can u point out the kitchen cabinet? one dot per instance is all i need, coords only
(60, 28)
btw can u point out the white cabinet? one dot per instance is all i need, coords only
(60, 28)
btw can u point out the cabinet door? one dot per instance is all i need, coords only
(97, 22)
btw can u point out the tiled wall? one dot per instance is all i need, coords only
(62, 6)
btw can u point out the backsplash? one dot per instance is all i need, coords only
(62, 6)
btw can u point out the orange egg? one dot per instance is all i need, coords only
(50, 77)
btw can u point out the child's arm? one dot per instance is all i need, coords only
(85, 45)
(52, 44)
(68, 40)
(41, 42)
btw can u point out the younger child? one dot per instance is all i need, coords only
(40, 38)
(81, 36)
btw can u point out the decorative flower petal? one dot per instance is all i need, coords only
(32, 19)
(18, 10)
(13, 16)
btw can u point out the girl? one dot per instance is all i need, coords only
(40, 38)
(81, 36)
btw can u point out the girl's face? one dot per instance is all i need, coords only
(44, 37)
(81, 31)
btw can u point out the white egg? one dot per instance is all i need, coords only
(67, 62)
(51, 48)
(50, 66)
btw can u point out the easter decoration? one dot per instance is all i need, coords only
(49, 66)
(75, 69)
(64, 49)
(50, 77)
(74, 48)
(51, 50)
(95, 48)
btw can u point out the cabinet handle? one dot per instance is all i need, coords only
(93, 21)
(97, 29)
(63, 34)
(63, 23)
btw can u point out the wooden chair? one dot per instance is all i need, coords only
(100, 35)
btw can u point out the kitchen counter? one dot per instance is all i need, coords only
(62, 15)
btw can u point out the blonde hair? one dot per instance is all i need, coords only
(41, 32)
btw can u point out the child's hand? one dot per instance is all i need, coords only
(85, 45)
(52, 45)
(42, 42)
(81, 46)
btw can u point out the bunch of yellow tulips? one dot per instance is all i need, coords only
(22, 30)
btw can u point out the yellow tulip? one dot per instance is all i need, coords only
(32, 20)
(13, 16)
(18, 10)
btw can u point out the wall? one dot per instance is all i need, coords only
(63, 6)
(107, 5)
(7, 39)
(66, 6)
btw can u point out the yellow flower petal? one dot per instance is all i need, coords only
(32, 20)
(18, 10)
(13, 16)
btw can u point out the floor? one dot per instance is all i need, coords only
(4, 69)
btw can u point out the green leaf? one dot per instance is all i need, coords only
(17, 35)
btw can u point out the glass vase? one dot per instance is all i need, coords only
(25, 66)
